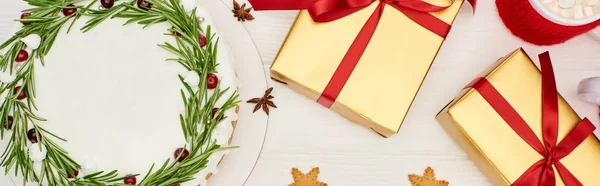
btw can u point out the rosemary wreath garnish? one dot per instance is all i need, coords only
(197, 122)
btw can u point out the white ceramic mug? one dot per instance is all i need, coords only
(568, 12)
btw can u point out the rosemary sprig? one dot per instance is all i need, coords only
(98, 16)
(197, 122)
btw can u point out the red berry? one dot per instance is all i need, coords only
(23, 16)
(211, 81)
(130, 180)
(144, 5)
(75, 172)
(22, 56)
(214, 113)
(21, 95)
(107, 3)
(184, 154)
(202, 40)
(9, 122)
(32, 135)
(177, 184)
(175, 33)
(69, 11)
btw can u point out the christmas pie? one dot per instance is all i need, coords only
(142, 88)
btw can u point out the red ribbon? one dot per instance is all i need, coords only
(331, 10)
(541, 172)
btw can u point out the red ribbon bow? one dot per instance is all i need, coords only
(331, 10)
(541, 172)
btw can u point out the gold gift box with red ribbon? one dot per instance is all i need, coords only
(370, 82)
(519, 131)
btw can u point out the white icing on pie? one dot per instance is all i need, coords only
(192, 79)
(32, 41)
(89, 167)
(37, 152)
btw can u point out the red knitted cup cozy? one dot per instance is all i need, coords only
(525, 22)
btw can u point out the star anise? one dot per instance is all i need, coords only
(241, 12)
(264, 102)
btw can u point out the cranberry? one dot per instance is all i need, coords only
(9, 123)
(32, 135)
(107, 3)
(202, 40)
(75, 172)
(144, 5)
(175, 33)
(214, 112)
(130, 180)
(23, 16)
(211, 81)
(21, 95)
(184, 154)
(22, 56)
(69, 11)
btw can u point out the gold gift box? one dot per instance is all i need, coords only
(489, 141)
(383, 85)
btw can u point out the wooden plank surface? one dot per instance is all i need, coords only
(303, 134)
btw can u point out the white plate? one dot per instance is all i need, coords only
(250, 132)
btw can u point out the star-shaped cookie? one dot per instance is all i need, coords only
(428, 179)
(310, 179)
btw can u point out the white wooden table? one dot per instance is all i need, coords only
(303, 134)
